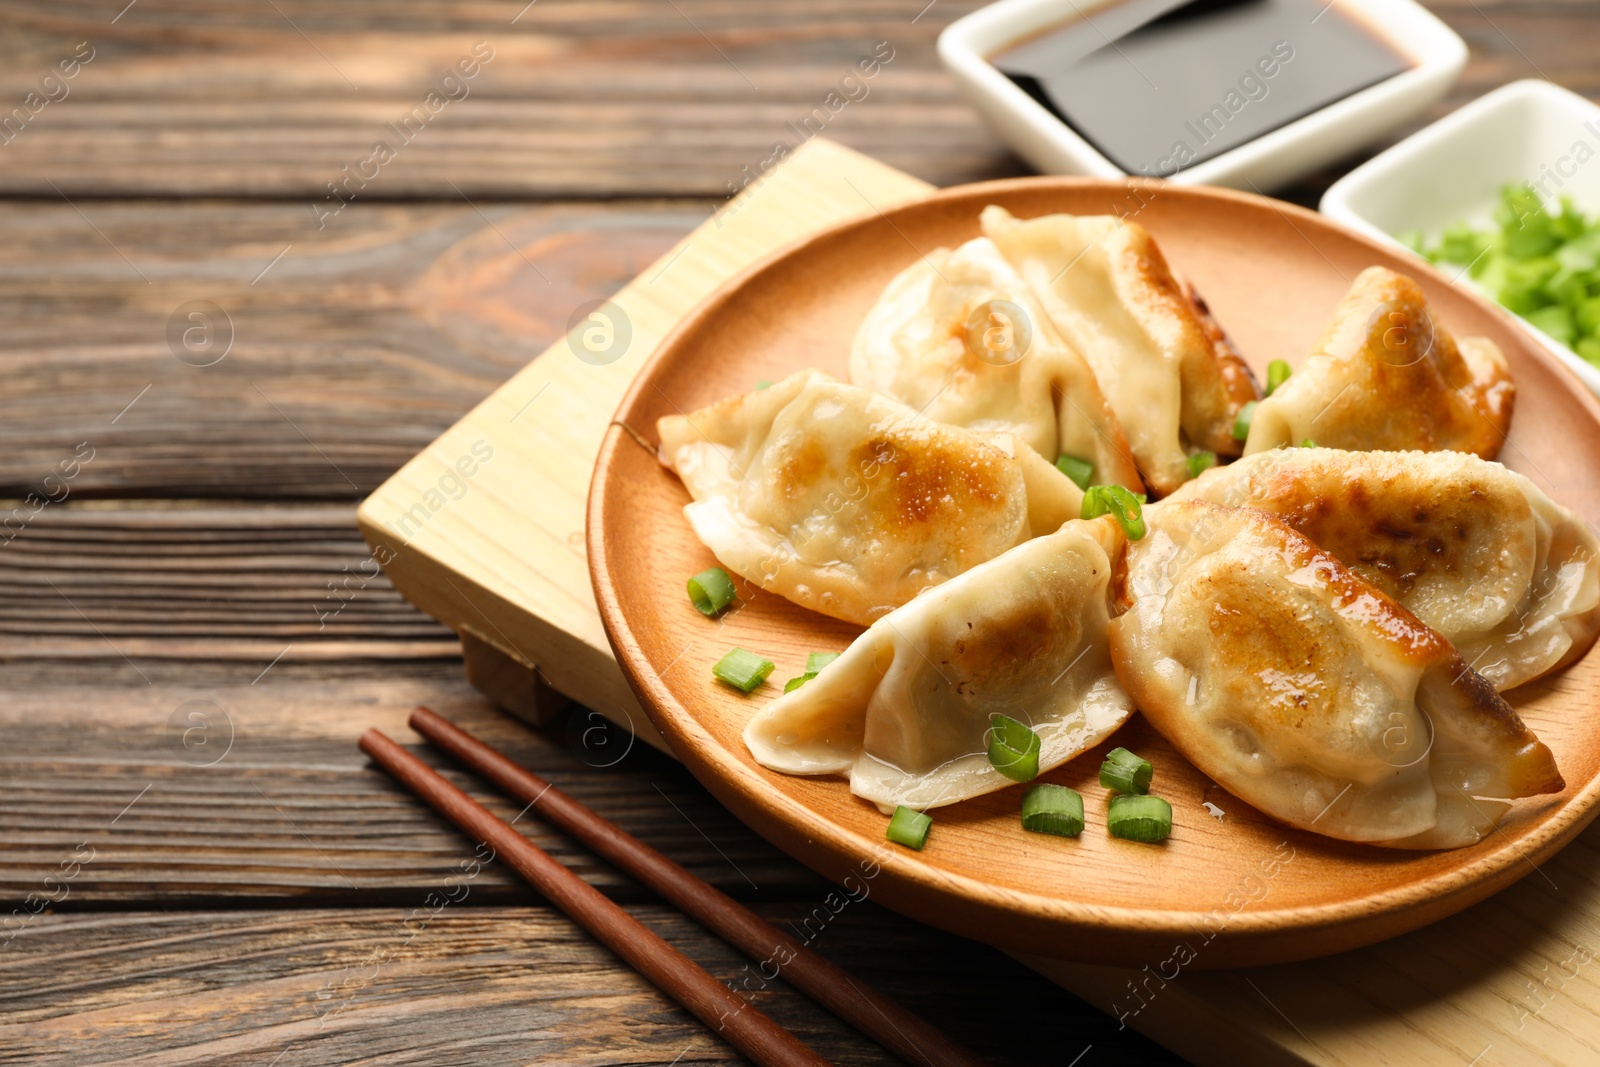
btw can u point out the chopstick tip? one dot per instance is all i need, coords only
(370, 740)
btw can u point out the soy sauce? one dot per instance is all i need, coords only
(1160, 85)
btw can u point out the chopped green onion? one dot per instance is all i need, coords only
(1277, 373)
(909, 828)
(1125, 772)
(1079, 470)
(1555, 321)
(1139, 818)
(815, 661)
(1308, 443)
(1241, 425)
(1540, 260)
(711, 591)
(1115, 500)
(1052, 809)
(1201, 462)
(742, 670)
(1014, 749)
(765, 383)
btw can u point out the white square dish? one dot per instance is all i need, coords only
(1526, 132)
(1437, 55)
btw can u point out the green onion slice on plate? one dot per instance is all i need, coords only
(710, 591)
(1241, 425)
(1125, 772)
(1079, 470)
(1052, 809)
(1136, 817)
(815, 661)
(1201, 462)
(743, 670)
(1278, 372)
(909, 828)
(1013, 749)
(1116, 501)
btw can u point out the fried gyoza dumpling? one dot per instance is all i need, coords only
(849, 503)
(1386, 376)
(959, 337)
(905, 711)
(1475, 551)
(1173, 382)
(1308, 693)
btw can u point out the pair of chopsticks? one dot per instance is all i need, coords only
(745, 1027)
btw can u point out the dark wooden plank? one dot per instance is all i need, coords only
(349, 354)
(369, 335)
(581, 99)
(253, 791)
(155, 593)
(487, 985)
(372, 334)
(198, 578)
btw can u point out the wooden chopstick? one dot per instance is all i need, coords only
(905, 1034)
(746, 1028)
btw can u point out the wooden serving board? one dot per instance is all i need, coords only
(1514, 980)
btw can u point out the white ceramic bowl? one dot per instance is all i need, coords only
(1270, 160)
(1528, 131)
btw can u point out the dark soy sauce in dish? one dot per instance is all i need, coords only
(1160, 85)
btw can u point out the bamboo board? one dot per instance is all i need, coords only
(1514, 980)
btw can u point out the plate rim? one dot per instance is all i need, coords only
(699, 751)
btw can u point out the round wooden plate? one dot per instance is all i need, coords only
(1230, 887)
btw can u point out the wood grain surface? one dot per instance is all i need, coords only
(257, 793)
(196, 545)
(480, 985)
(195, 634)
(349, 354)
(584, 98)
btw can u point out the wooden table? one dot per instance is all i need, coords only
(209, 358)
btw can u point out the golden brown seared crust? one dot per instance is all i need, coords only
(1408, 637)
(1020, 633)
(1388, 376)
(1395, 518)
(1474, 550)
(1532, 770)
(1235, 383)
(1489, 390)
(1308, 692)
(850, 503)
(1214, 379)
(932, 479)
(1470, 402)
(1262, 635)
